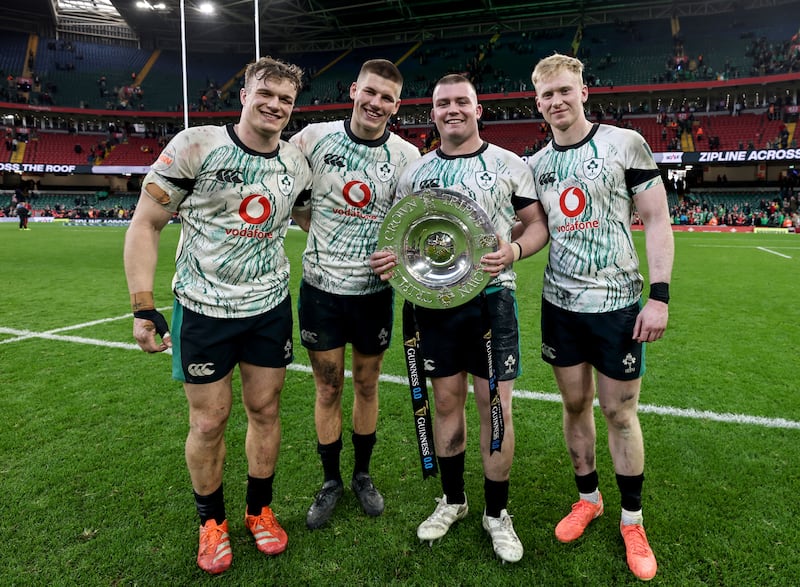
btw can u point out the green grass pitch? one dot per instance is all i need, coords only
(95, 489)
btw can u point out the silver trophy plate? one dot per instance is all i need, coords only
(439, 237)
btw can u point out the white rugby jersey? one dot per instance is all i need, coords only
(497, 179)
(353, 188)
(234, 204)
(587, 192)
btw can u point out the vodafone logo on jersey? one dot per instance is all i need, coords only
(572, 202)
(255, 209)
(357, 193)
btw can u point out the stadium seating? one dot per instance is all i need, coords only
(163, 85)
(618, 54)
(12, 53)
(59, 148)
(134, 151)
(76, 199)
(724, 39)
(75, 68)
(514, 136)
(738, 132)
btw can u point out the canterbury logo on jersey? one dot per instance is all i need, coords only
(334, 159)
(229, 176)
(200, 369)
(429, 183)
(548, 178)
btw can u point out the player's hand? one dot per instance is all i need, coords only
(148, 323)
(382, 263)
(496, 261)
(651, 321)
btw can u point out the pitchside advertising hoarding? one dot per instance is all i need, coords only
(74, 169)
(743, 157)
(746, 157)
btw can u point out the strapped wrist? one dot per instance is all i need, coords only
(659, 291)
(142, 300)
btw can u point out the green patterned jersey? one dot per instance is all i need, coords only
(587, 192)
(497, 179)
(353, 188)
(234, 205)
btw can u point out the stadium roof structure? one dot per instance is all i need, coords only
(292, 26)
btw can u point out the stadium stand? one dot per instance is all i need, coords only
(163, 86)
(657, 53)
(12, 52)
(727, 41)
(89, 149)
(616, 54)
(52, 148)
(71, 71)
(133, 151)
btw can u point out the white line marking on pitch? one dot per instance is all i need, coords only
(766, 250)
(534, 395)
(739, 247)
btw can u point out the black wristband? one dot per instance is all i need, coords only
(156, 318)
(659, 291)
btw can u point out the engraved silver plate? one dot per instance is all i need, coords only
(439, 237)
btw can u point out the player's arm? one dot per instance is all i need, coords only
(301, 211)
(528, 237)
(660, 249)
(140, 257)
(383, 262)
(534, 234)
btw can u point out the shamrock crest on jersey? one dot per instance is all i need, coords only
(385, 170)
(285, 183)
(592, 168)
(485, 179)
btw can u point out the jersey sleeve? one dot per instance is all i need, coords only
(173, 173)
(524, 192)
(404, 184)
(301, 139)
(642, 172)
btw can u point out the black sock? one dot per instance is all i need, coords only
(630, 489)
(362, 446)
(452, 471)
(496, 495)
(211, 506)
(259, 493)
(587, 483)
(329, 453)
